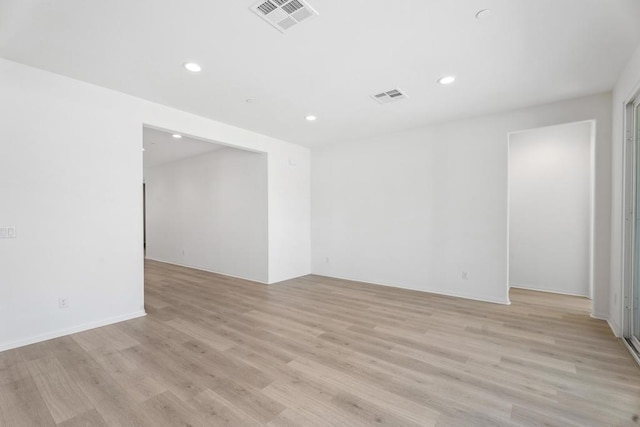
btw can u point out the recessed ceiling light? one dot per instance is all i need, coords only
(483, 14)
(142, 148)
(447, 80)
(311, 118)
(176, 136)
(193, 67)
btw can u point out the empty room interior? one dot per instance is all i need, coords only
(316, 213)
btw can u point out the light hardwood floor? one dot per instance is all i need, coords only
(317, 351)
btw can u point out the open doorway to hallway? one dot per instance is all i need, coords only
(205, 205)
(551, 209)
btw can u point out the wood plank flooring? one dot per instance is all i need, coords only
(315, 351)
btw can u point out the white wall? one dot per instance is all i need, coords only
(549, 204)
(627, 86)
(70, 182)
(210, 212)
(288, 185)
(416, 209)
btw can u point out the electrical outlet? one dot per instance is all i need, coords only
(327, 260)
(7, 232)
(63, 302)
(465, 275)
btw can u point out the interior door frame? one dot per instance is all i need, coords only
(592, 196)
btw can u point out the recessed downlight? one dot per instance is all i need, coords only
(193, 67)
(483, 14)
(446, 80)
(176, 136)
(311, 118)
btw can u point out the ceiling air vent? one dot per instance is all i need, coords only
(389, 96)
(284, 14)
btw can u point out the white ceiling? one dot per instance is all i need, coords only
(527, 52)
(161, 147)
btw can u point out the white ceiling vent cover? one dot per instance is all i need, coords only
(389, 96)
(284, 14)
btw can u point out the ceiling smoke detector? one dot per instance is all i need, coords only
(389, 96)
(284, 14)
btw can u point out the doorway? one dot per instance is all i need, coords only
(206, 205)
(551, 205)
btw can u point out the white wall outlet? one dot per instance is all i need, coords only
(465, 275)
(63, 302)
(326, 260)
(7, 232)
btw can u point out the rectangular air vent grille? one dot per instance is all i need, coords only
(389, 96)
(283, 14)
(267, 7)
(292, 6)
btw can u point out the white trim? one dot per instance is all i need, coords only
(633, 352)
(508, 242)
(614, 329)
(617, 331)
(208, 271)
(634, 93)
(72, 330)
(551, 126)
(626, 242)
(592, 211)
(605, 317)
(529, 288)
(426, 291)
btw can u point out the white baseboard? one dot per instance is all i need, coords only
(600, 316)
(208, 271)
(613, 329)
(633, 352)
(617, 331)
(529, 288)
(605, 317)
(73, 330)
(426, 291)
